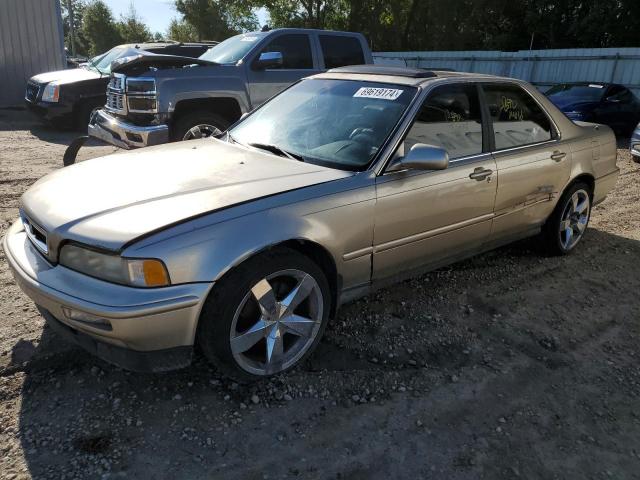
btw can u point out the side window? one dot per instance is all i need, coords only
(517, 119)
(449, 118)
(340, 50)
(619, 93)
(295, 49)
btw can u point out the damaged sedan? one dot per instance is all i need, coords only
(247, 244)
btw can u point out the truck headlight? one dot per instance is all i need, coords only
(141, 95)
(142, 104)
(51, 92)
(137, 272)
(141, 85)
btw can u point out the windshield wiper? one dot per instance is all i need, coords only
(278, 151)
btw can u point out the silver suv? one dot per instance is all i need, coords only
(153, 99)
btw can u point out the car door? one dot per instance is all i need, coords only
(298, 60)
(533, 162)
(426, 217)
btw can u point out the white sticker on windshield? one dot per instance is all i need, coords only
(596, 86)
(248, 39)
(384, 93)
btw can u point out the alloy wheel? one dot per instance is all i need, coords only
(574, 220)
(201, 131)
(277, 322)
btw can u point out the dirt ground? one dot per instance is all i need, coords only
(509, 365)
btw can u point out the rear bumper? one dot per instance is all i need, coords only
(126, 325)
(115, 131)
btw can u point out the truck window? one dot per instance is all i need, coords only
(295, 49)
(340, 50)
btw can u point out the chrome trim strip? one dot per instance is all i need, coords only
(431, 233)
(29, 227)
(357, 254)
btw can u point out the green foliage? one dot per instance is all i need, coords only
(132, 29)
(78, 7)
(217, 19)
(99, 28)
(182, 31)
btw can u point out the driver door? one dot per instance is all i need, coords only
(424, 218)
(298, 60)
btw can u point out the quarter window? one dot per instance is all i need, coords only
(295, 49)
(340, 51)
(517, 119)
(450, 118)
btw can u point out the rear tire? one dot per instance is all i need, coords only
(567, 224)
(265, 316)
(199, 124)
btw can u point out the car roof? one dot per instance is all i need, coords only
(398, 75)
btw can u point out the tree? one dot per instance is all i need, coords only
(182, 31)
(77, 7)
(217, 19)
(132, 29)
(99, 28)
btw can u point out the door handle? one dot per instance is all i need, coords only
(557, 156)
(480, 174)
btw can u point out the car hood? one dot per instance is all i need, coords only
(156, 61)
(110, 201)
(66, 76)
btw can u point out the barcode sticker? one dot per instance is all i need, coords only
(382, 93)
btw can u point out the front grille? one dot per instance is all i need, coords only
(36, 234)
(116, 100)
(32, 92)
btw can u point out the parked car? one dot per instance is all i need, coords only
(607, 103)
(153, 100)
(248, 243)
(635, 144)
(65, 98)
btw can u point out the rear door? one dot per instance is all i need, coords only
(533, 162)
(298, 61)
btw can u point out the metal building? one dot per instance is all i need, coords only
(31, 42)
(540, 67)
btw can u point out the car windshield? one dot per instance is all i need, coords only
(232, 49)
(102, 63)
(337, 123)
(591, 92)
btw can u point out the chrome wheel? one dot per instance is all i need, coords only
(201, 131)
(574, 219)
(277, 322)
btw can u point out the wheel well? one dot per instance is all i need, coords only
(227, 108)
(323, 259)
(585, 178)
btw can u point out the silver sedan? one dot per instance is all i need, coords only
(248, 243)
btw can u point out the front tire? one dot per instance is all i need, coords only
(199, 124)
(567, 224)
(265, 316)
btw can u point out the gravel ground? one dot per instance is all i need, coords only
(509, 365)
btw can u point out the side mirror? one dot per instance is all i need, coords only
(422, 157)
(268, 60)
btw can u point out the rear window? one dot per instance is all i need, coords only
(340, 50)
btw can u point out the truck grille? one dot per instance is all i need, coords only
(32, 92)
(116, 100)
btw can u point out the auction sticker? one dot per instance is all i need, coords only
(383, 93)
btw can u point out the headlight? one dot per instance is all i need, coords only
(142, 104)
(141, 95)
(51, 92)
(137, 272)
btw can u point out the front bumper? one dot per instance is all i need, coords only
(143, 323)
(59, 114)
(115, 131)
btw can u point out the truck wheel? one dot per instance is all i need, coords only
(265, 316)
(198, 125)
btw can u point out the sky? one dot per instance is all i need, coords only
(157, 13)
